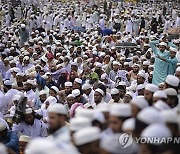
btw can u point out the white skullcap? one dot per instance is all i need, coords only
(116, 63)
(98, 64)
(113, 47)
(146, 63)
(157, 130)
(23, 25)
(173, 49)
(114, 91)
(7, 83)
(86, 86)
(128, 124)
(161, 105)
(86, 135)
(163, 44)
(24, 138)
(130, 93)
(28, 111)
(178, 69)
(68, 84)
(78, 80)
(42, 146)
(169, 116)
(100, 91)
(140, 86)
(52, 100)
(57, 108)
(26, 58)
(160, 94)
(81, 112)
(16, 97)
(76, 92)
(142, 75)
(162, 83)
(149, 115)
(126, 63)
(170, 92)
(151, 87)
(55, 89)
(2, 126)
(103, 107)
(3, 149)
(20, 74)
(78, 123)
(122, 83)
(172, 80)
(140, 102)
(30, 82)
(42, 92)
(70, 95)
(120, 110)
(99, 116)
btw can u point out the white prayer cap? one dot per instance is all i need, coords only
(113, 47)
(128, 124)
(160, 94)
(99, 116)
(28, 111)
(55, 89)
(42, 92)
(146, 63)
(100, 91)
(122, 83)
(146, 45)
(157, 130)
(173, 49)
(103, 107)
(140, 102)
(151, 87)
(76, 92)
(98, 64)
(16, 97)
(142, 74)
(78, 123)
(26, 58)
(116, 63)
(111, 144)
(68, 84)
(86, 135)
(86, 86)
(24, 138)
(162, 83)
(130, 93)
(163, 44)
(114, 91)
(170, 92)
(172, 80)
(7, 83)
(23, 25)
(169, 116)
(140, 86)
(57, 108)
(178, 69)
(2, 126)
(78, 80)
(126, 63)
(43, 146)
(120, 110)
(161, 105)
(149, 115)
(70, 95)
(81, 112)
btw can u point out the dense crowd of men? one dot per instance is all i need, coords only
(76, 75)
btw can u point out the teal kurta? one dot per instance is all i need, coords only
(172, 65)
(160, 67)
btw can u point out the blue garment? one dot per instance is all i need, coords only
(160, 67)
(172, 65)
(11, 141)
(106, 32)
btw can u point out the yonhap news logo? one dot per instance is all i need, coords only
(126, 140)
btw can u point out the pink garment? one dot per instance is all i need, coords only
(74, 107)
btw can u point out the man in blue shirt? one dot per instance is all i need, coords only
(9, 138)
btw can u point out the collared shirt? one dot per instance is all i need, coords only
(38, 129)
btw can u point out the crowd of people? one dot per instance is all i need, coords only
(76, 75)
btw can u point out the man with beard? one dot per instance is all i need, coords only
(134, 72)
(64, 93)
(31, 126)
(58, 130)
